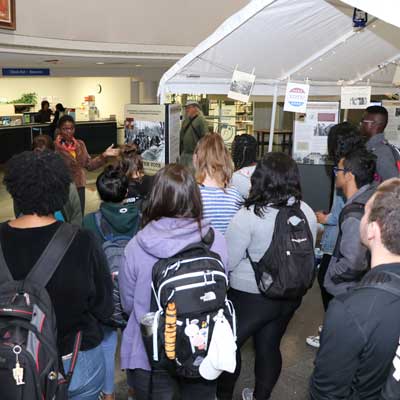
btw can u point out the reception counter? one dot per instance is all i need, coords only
(97, 135)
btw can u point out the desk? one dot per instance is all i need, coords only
(97, 135)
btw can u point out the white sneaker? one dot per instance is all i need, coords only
(247, 394)
(313, 341)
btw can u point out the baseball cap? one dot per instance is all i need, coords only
(221, 354)
(192, 103)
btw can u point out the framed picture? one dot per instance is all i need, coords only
(7, 14)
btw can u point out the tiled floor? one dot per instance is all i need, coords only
(297, 356)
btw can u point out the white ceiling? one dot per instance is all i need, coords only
(124, 34)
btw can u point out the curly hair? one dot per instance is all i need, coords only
(212, 158)
(244, 151)
(38, 182)
(275, 180)
(112, 184)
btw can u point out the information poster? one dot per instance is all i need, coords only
(355, 97)
(311, 131)
(392, 131)
(155, 130)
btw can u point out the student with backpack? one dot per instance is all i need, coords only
(350, 259)
(372, 127)
(267, 289)
(172, 220)
(50, 315)
(214, 168)
(362, 326)
(114, 224)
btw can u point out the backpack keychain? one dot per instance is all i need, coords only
(170, 331)
(18, 371)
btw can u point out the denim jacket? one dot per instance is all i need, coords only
(331, 229)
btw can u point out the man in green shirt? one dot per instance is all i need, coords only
(193, 128)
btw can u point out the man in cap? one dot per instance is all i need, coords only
(194, 127)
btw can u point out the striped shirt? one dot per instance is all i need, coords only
(219, 205)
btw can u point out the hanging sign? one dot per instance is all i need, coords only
(26, 71)
(296, 97)
(355, 97)
(241, 86)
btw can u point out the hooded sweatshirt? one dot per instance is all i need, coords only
(159, 239)
(123, 219)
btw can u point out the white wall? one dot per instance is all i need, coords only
(71, 91)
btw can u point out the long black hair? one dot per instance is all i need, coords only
(275, 180)
(244, 151)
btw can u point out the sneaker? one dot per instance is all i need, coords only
(247, 394)
(313, 341)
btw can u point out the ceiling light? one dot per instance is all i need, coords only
(138, 65)
(100, 63)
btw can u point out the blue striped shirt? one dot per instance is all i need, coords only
(219, 205)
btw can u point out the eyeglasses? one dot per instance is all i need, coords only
(337, 169)
(367, 121)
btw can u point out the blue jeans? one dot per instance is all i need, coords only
(88, 378)
(109, 346)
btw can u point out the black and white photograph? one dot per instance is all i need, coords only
(241, 86)
(397, 112)
(359, 101)
(149, 136)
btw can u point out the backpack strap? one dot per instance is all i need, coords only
(385, 280)
(52, 255)
(103, 227)
(5, 274)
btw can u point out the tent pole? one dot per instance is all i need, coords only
(273, 115)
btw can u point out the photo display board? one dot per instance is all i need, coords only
(154, 128)
(392, 131)
(311, 132)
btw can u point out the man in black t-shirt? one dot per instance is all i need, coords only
(362, 327)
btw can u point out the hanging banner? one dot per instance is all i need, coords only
(241, 86)
(355, 97)
(296, 97)
(155, 130)
(392, 130)
(311, 129)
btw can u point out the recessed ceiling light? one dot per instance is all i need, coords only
(138, 65)
(100, 63)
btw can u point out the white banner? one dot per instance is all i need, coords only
(296, 97)
(355, 97)
(241, 86)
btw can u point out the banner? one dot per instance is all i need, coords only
(355, 97)
(296, 97)
(311, 129)
(155, 130)
(241, 86)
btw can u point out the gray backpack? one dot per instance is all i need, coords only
(114, 248)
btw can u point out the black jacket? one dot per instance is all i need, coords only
(358, 342)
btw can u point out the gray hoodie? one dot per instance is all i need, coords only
(345, 271)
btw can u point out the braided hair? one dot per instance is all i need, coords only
(244, 151)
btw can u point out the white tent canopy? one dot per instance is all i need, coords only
(296, 40)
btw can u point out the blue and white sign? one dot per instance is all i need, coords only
(296, 97)
(26, 71)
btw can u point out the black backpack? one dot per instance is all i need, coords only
(114, 249)
(389, 282)
(30, 366)
(287, 269)
(189, 289)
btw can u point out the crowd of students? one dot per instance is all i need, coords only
(239, 199)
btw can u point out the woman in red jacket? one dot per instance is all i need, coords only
(76, 156)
